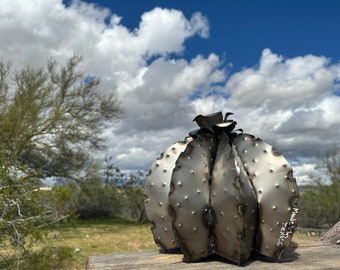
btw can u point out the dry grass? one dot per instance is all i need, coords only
(301, 238)
(92, 237)
(106, 236)
(95, 237)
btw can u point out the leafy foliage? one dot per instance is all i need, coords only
(319, 202)
(109, 193)
(50, 119)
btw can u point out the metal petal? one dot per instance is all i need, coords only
(235, 205)
(208, 121)
(276, 191)
(189, 197)
(156, 190)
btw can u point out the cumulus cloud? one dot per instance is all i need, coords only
(163, 31)
(283, 83)
(291, 103)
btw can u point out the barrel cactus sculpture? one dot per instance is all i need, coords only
(221, 191)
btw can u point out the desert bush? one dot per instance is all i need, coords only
(319, 202)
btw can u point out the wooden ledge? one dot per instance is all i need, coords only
(306, 255)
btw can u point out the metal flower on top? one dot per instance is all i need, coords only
(221, 191)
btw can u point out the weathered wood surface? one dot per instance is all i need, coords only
(305, 255)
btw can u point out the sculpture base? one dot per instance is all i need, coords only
(305, 255)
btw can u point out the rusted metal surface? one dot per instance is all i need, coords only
(306, 255)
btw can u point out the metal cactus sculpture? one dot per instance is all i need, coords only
(221, 191)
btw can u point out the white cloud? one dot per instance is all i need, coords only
(283, 83)
(166, 87)
(288, 102)
(163, 31)
(282, 95)
(303, 172)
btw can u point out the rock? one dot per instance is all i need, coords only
(332, 235)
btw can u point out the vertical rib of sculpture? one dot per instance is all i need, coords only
(157, 188)
(234, 202)
(189, 196)
(276, 190)
(221, 191)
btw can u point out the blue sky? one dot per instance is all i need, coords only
(240, 30)
(274, 64)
